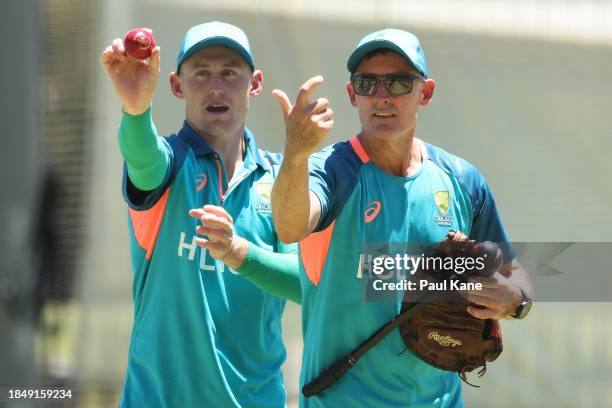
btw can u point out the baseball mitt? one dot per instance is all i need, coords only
(441, 332)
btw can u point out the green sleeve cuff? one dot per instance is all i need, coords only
(275, 273)
(146, 155)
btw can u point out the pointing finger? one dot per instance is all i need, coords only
(307, 88)
(284, 102)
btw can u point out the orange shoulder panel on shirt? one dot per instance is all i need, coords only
(313, 252)
(358, 148)
(147, 223)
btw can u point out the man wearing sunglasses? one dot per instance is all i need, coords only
(383, 185)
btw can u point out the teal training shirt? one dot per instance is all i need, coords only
(362, 204)
(203, 336)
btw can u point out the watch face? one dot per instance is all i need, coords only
(526, 307)
(523, 309)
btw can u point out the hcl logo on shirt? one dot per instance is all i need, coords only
(207, 262)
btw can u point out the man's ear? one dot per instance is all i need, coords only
(351, 94)
(175, 85)
(256, 83)
(427, 91)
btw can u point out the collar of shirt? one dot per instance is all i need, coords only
(200, 147)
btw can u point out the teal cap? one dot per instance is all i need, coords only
(214, 33)
(402, 42)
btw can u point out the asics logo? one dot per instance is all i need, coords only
(372, 211)
(201, 181)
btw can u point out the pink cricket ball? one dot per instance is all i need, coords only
(139, 43)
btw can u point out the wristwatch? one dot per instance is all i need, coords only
(522, 310)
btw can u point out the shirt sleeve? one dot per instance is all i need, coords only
(486, 221)
(332, 178)
(149, 161)
(277, 273)
(146, 156)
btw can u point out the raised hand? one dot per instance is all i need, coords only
(221, 242)
(134, 81)
(307, 123)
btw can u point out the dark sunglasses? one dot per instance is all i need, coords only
(395, 84)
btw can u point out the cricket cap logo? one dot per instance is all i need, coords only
(442, 199)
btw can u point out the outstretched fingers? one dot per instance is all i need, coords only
(306, 89)
(284, 102)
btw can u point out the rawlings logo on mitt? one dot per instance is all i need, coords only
(444, 341)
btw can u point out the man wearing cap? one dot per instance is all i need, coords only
(383, 185)
(203, 336)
